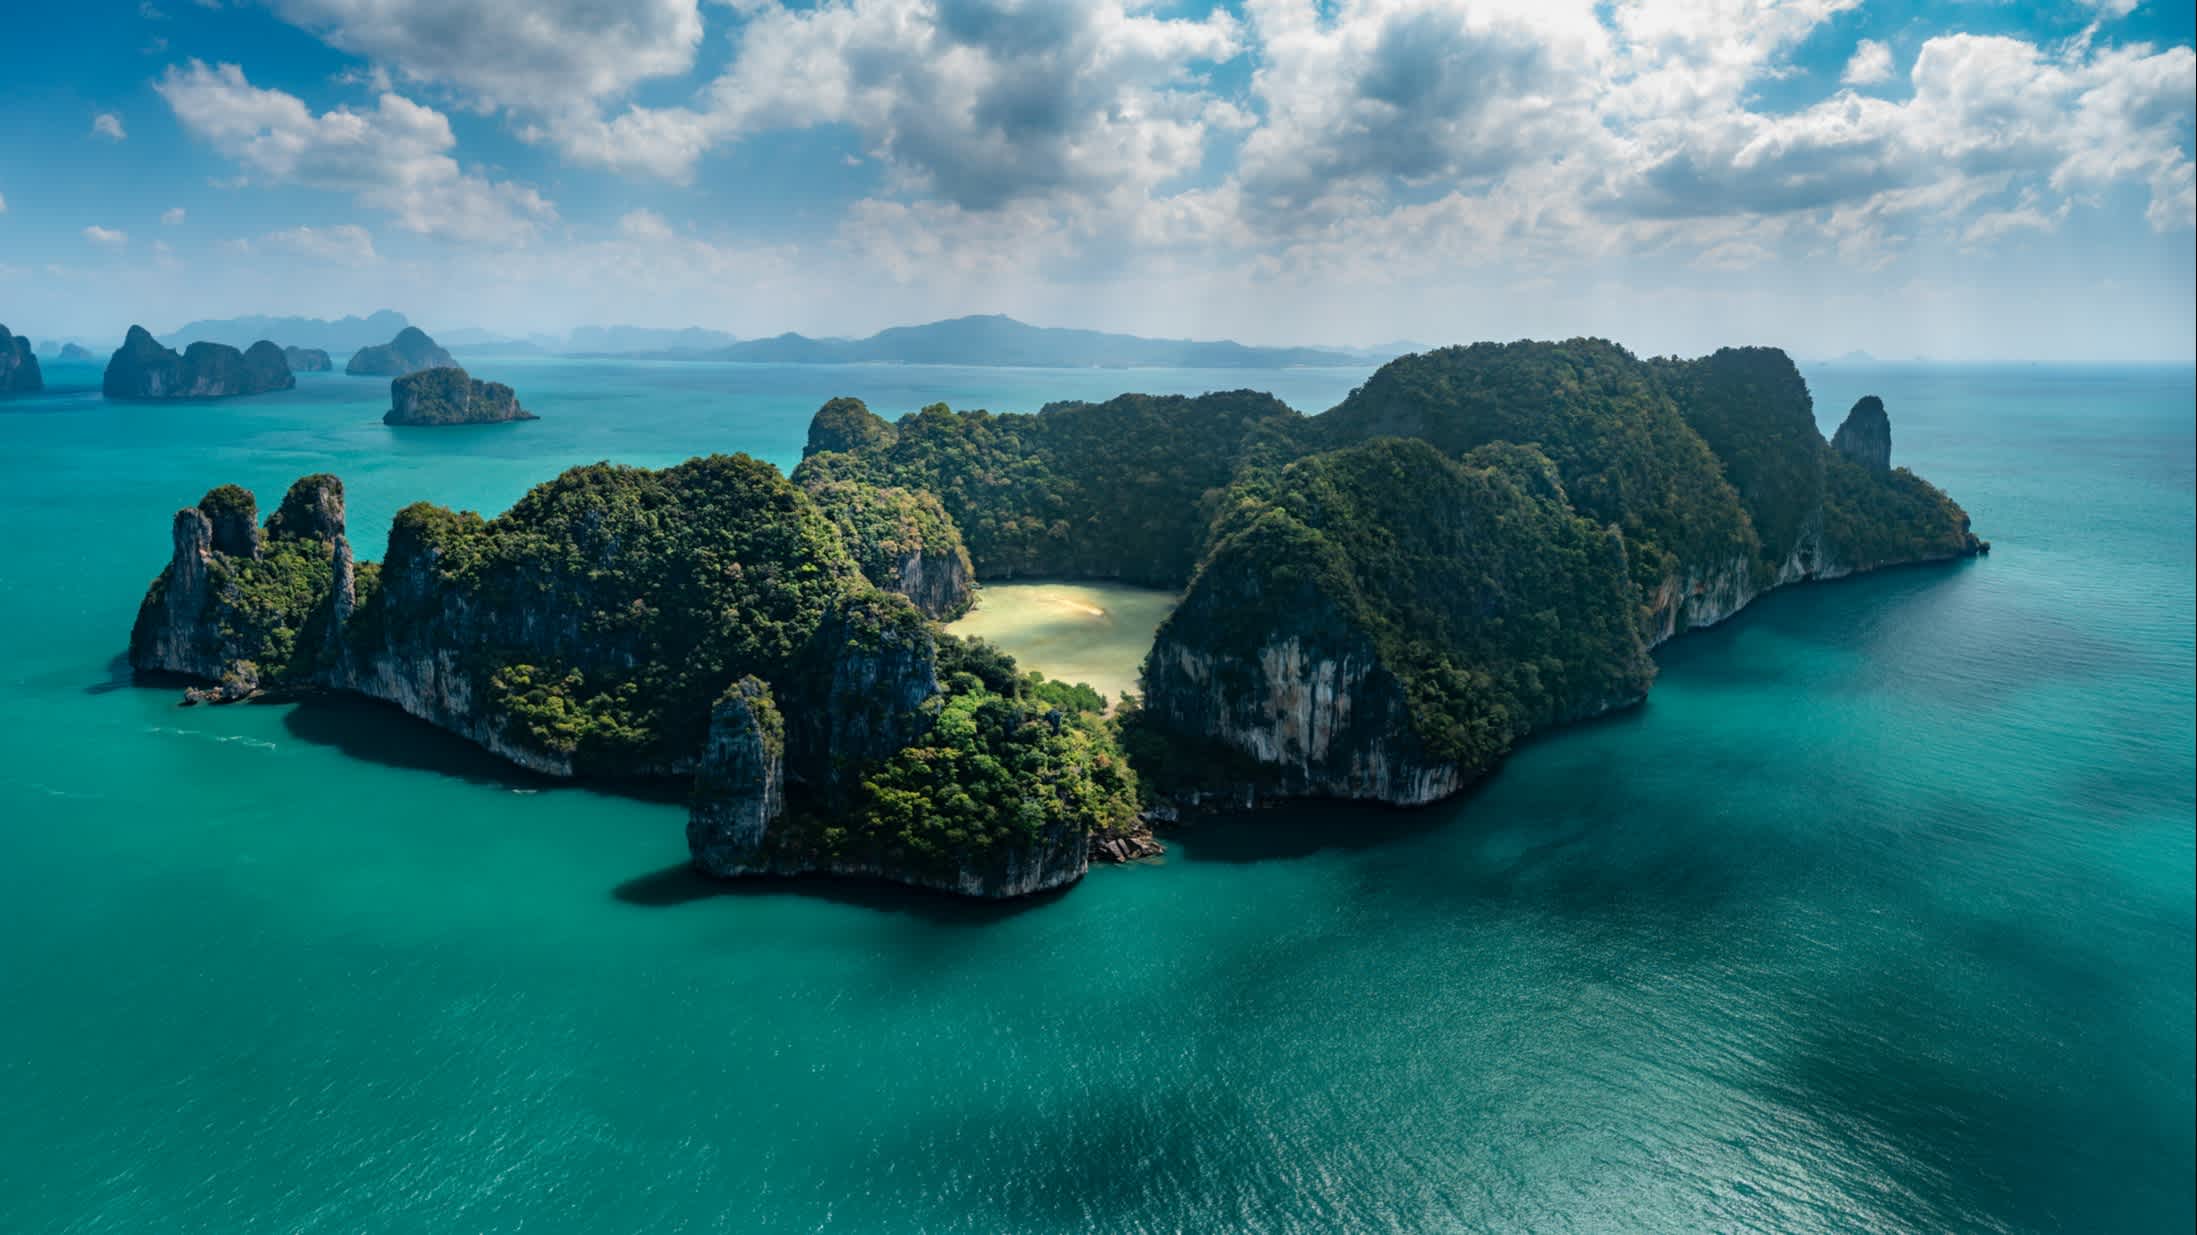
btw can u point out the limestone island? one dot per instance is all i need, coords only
(19, 373)
(451, 396)
(307, 360)
(142, 369)
(1378, 602)
(77, 353)
(409, 352)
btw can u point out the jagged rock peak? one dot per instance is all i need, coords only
(1866, 436)
(311, 510)
(232, 518)
(740, 786)
(142, 369)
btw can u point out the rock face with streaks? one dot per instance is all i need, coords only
(141, 369)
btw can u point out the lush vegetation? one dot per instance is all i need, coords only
(1114, 490)
(1009, 764)
(1495, 606)
(1880, 519)
(606, 611)
(1753, 409)
(1625, 454)
(887, 528)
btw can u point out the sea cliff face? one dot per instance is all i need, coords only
(19, 372)
(141, 369)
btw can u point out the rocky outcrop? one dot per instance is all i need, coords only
(941, 585)
(740, 787)
(845, 424)
(1866, 435)
(18, 365)
(142, 369)
(451, 396)
(73, 353)
(903, 540)
(307, 359)
(409, 352)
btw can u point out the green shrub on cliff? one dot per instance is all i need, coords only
(886, 527)
(1753, 409)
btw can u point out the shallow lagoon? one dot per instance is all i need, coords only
(1072, 632)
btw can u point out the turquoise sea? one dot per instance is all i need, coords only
(1876, 918)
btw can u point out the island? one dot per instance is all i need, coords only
(450, 396)
(409, 352)
(307, 359)
(19, 372)
(141, 369)
(1378, 602)
(77, 353)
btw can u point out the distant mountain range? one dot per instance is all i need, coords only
(338, 338)
(996, 340)
(990, 339)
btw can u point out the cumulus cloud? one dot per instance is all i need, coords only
(394, 157)
(535, 53)
(1871, 64)
(106, 237)
(976, 101)
(345, 244)
(108, 125)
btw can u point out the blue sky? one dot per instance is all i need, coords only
(1962, 180)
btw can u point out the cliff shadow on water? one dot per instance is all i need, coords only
(377, 732)
(680, 883)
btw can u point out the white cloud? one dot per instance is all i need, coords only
(345, 244)
(976, 101)
(394, 157)
(172, 216)
(1871, 64)
(3, 203)
(105, 237)
(534, 53)
(2110, 8)
(108, 125)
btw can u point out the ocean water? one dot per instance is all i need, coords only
(1876, 917)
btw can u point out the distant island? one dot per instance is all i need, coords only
(410, 351)
(141, 369)
(19, 372)
(75, 353)
(306, 359)
(451, 396)
(1380, 601)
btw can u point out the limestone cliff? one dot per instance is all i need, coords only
(903, 540)
(18, 365)
(142, 369)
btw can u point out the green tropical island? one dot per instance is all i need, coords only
(1376, 603)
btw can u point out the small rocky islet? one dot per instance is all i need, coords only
(1378, 602)
(448, 395)
(306, 359)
